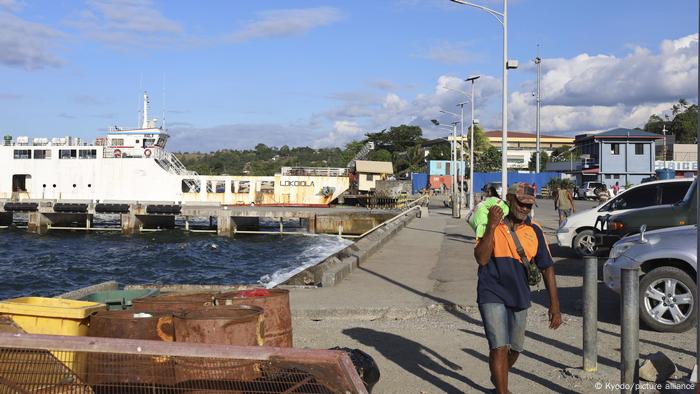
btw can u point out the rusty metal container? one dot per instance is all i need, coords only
(240, 325)
(174, 303)
(108, 369)
(276, 312)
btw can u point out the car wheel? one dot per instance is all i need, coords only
(584, 243)
(667, 297)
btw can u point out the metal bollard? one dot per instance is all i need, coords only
(629, 312)
(590, 314)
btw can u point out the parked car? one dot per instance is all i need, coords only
(614, 227)
(667, 287)
(578, 230)
(497, 185)
(587, 190)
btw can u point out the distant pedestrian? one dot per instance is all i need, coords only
(616, 188)
(504, 254)
(564, 203)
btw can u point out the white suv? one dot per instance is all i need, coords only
(578, 230)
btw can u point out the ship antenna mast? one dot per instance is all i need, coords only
(144, 124)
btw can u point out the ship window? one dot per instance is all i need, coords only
(66, 154)
(244, 187)
(42, 154)
(117, 141)
(190, 186)
(267, 186)
(23, 154)
(216, 186)
(148, 142)
(88, 154)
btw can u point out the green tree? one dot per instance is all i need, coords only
(684, 124)
(440, 152)
(398, 138)
(488, 160)
(544, 159)
(380, 155)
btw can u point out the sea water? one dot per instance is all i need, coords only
(61, 261)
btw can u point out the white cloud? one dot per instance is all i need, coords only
(26, 44)
(126, 23)
(602, 92)
(283, 23)
(639, 77)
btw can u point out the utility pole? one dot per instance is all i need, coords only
(664, 149)
(538, 62)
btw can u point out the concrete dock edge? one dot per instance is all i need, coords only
(336, 267)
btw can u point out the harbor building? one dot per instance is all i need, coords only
(620, 155)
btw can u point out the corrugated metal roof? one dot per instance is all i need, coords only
(374, 167)
(620, 133)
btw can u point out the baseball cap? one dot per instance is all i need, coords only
(524, 192)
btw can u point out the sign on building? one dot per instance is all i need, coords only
(677, 165)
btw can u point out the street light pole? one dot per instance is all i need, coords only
(471, 147)
(538, 62)
(503, 19)
(462, 197)
(455, 203)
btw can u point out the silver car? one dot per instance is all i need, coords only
(667, 287)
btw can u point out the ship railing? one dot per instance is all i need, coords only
(313, 171)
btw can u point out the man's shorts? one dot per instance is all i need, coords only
(565, 212)
(504, 326)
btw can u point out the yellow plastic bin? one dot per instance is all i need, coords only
(53, 316)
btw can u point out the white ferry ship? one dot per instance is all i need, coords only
(133, 165)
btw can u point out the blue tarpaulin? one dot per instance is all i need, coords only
(419, 181)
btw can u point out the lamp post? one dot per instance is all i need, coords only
(502, 18)
(455, 198)
(538, 62)
(462, 197)
(471, 146)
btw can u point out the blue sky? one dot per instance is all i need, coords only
(230, 74)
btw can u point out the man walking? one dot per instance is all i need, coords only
(564, 203)
(503, 294)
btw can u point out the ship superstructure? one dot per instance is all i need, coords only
(133, 165)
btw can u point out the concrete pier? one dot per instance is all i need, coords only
(224, 220)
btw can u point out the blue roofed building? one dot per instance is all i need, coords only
(620, 155)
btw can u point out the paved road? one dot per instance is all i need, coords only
(412, 306)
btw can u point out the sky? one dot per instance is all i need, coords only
(231, 74)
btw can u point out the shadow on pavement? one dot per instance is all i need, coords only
(527, 375)
(460, 237)
(562, 346)
(422, 229)
(415, 358)
(571, 302)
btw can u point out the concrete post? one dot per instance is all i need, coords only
(629, 311)
(590, 314)
(311, 224)
(225, 225)
(38, 223)
(130, 224)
